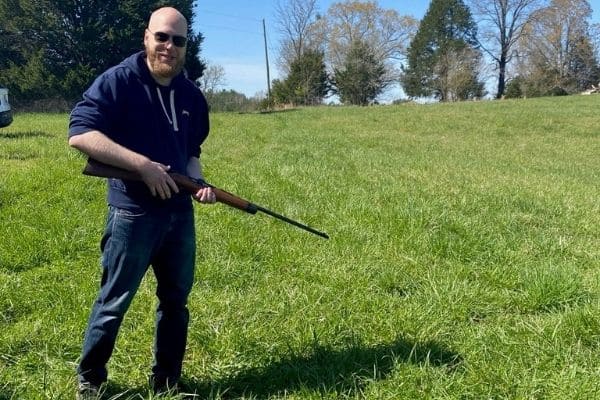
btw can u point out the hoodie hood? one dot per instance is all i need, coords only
(165, 94)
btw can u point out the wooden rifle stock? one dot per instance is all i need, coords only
(99, 169)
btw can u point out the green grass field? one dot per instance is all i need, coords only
(463, 259)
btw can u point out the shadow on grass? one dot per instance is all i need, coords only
(345, 372)
(23, 135)
(7, 392)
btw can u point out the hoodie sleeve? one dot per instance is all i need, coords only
(201, 127)
(98, 107)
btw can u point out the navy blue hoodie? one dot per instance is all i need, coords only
(166, 124)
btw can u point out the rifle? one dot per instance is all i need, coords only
(99, 169)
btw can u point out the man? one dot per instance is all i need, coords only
(144, 115)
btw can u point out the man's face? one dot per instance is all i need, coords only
(164, 33)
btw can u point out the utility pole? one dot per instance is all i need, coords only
(267, 60)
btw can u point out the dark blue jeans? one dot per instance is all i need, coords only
(131, 243)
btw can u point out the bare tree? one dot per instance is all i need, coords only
(211, 80)
(558, 49)
(294, 20)
(385, 31)
(502, 25)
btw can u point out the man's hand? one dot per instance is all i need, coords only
(155, 176)
(205, 195)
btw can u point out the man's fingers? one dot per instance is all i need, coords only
(167, 188)
(206, 195)
(158, 180)
(172, 184)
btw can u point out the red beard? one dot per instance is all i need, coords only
(164, 69)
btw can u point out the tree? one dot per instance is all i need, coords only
(10, 42)
(296, 21)
(584, 70)
(514, 88)
(212, 79)
(457, 75)
(557, 51)
(595, 37)
(362, 77)
(446, 31)
(502, 22)
(78, 39)
(306, 84)
(355, 24)
(386, 32)
(301, 57)
(232, 101)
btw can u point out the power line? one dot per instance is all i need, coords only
(230, 15)
(228, 28)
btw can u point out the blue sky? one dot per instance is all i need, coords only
(233, 36)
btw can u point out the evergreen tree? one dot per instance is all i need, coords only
(307, 82)
(583, 68)
(447, 30)
(75, 41)
(362, 78)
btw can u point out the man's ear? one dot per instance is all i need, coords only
(146, 33)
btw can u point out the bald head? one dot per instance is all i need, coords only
(168, 17)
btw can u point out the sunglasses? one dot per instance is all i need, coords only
(161, 37)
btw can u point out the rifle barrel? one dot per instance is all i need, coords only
(291, 221)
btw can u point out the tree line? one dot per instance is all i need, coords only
(50, 51)
(358, 49)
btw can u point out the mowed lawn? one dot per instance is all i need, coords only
(463, 261)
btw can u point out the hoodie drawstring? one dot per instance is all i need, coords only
(172, 104)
